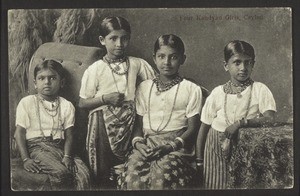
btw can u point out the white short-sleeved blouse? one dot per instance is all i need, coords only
(236, 108)
(188, 103)
(98, 79)
(27, 117)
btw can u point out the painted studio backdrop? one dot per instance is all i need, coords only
(205, 33)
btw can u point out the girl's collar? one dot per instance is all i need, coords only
(119, 60)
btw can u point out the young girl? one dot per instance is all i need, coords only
(167, 122)
(44, 131)
(240, 102)
(108, 91)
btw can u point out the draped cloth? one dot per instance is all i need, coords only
(172, 171)
(109, 136)
(50, 154)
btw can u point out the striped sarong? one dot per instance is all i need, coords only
(50, 155)
(215, 164)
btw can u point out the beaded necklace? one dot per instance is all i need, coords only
(248, 105)
(56, 109)
(161, 86)
(239, 87)
(149, 118)
(117, 67)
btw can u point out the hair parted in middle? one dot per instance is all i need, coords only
(52, 65)
(238, 47)
(112, 23)
(169, 40)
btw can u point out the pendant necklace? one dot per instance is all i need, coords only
(149, 118)
(116, 69)
(57, 113)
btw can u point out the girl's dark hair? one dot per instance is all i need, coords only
(238, 47)
(109, 24)
(52, 65)
(169, 40)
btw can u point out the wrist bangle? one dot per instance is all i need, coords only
(199, 160)
(246, 122)
(173, 145)
(180, 140)
(137, 139)
(102, 99)
(199, 164)
(26, 159)
(68, 156)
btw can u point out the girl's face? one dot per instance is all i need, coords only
(48, 83)
(239, 67)
(115, 43)
(168, 60)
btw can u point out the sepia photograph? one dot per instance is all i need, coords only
(144, 99)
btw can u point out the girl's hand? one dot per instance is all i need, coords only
(232, 130)
(161, 151)
(32, 165)
(114, 99)
(69, 163)
(144, 150)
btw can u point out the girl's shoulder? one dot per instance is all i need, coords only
(218, 90)
(190, 83)
(96, 65)
(28, 99)
(137, 60)
(146, 83)
(64, 101)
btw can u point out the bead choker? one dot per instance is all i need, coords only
(161, 86)
(117, 62)
(237, 88)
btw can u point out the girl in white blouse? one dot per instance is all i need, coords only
(108, 91)
(241, 102)
(168, 119)
(44, 132)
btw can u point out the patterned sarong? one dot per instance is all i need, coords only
(172, 171)
(109, 133)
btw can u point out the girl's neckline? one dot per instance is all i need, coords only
(234, 89)
(118, 60)
(51, 100)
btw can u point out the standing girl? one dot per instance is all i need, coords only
(167, 123)
(240, 102)
(44, 131)
(108, 91)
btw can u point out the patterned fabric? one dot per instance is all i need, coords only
(215, 165)
(172, 171)
(51, 154)
(118, 123)
(108, 138)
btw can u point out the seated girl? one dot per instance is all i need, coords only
(167, 123)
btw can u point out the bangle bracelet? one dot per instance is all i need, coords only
(199, 164)
(102, 99)
(68, 156)
(26, 159)
(246, 122)
(181, 141)
(137, 139)
(173, 145)
(199, 160)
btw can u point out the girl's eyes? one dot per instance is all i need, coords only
(173, 57)
(238, 62)
(122, 38)
(50, 78)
